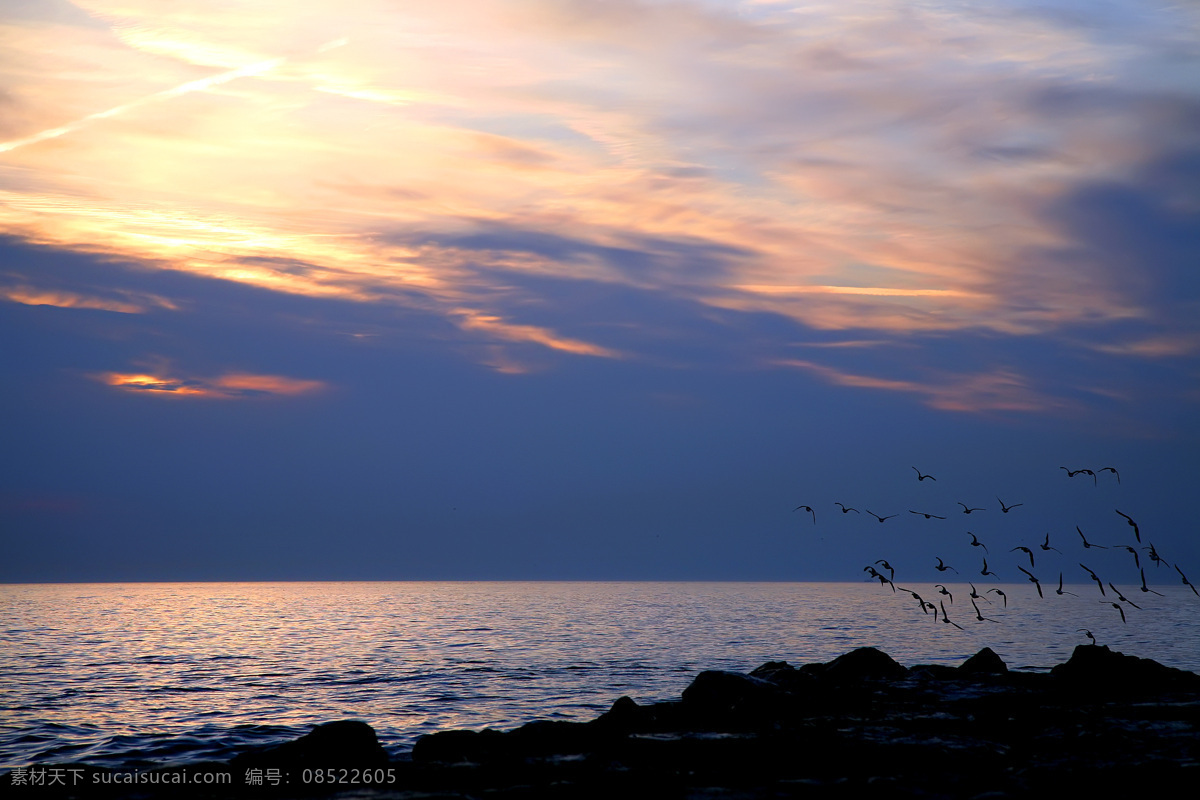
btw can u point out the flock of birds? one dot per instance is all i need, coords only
(883, 572)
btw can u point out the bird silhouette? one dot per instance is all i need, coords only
(920, 600)
(1060, 589)
(1071, 473)
(847, 509)
(1096, 579)
(1088, 634)
(809, 510)
(1002, 595)
(943, 590)
(942, 567)
(1186, 581)
(924, 514)
(1122, 597)
(967, 509)
(1117, 606)
(979, 615)
(947, 619)
(1005, 508)
(883, 581)
(1129, 521)
(985, 571)
(1046, 545)
(1155, 557)
(1137, 564)
(921, 477)
(1113, 470)
(975, 595)
(1027, 552)
(888, 567)
(881, 519)
(1146, 588)
(1086, 543)
(1089, 472)
(932, 608)
(976, 543)
(1033, 580)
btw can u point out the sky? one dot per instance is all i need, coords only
(595, 289)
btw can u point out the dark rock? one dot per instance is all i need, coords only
(1094, 666)
(718, 690)
(345, 744)
(865, 663)
(984, 662)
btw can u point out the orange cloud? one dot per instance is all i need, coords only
(1000, 390)
(230, 385)
(45, 297)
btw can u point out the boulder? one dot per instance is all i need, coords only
(348, 744)
(865, 663)
(985, 662)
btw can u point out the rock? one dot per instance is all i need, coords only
(865, 663)
(348, 744)
(985, 662)
(1094, 666)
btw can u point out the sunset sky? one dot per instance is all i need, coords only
(591, 289)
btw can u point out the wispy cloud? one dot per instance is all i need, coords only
(227, 386)
(872, 167)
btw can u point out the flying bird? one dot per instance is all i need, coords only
(1089, 472)
(1113, 470)
(809, 510)
(975, 595)
(1033, 580)
(1046, 545)
(1086, 543)
(1146, 588)
(1123, 598)
(1002, 594)
(942, 567)
(943, 590)
(1060, 589)
(921, 477)
(1071, 473)
(1186, 581)
(1155, 557)
(1088, 634)
(967, 509)
(1027, 551)
(1117, 606)
(1137, 564)
(947, 619)
(1097, 580)
(881, 519)
(985, 571)
(979, 615)
(1005, 508)
(925, 514)
(847, 509)
(975, 541)
(1129, 521)
(888, 567)
(917, 597)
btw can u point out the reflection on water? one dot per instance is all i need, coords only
(126, 674)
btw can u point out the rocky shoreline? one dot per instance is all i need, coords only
(1102, 723)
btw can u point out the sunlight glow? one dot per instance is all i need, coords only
(444, 155)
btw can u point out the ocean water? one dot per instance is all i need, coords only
(137, 675)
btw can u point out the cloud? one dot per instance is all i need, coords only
(227, 386)
(997, 390)
(888, 171)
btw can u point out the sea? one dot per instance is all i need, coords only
(143, 675)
